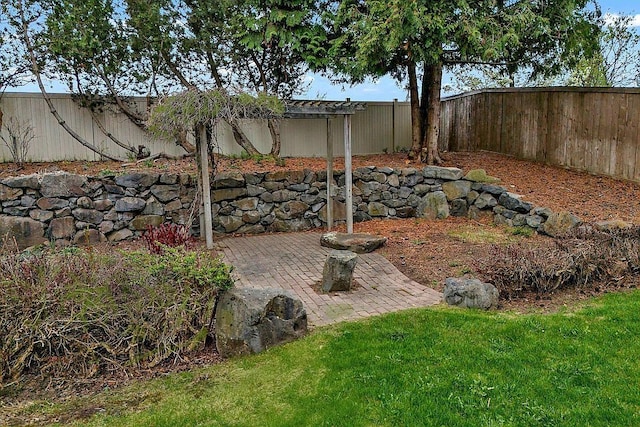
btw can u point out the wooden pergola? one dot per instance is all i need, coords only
(302, 110)
(328, 109)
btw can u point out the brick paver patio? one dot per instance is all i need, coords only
(294, 262)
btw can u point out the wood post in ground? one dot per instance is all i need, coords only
(206, 190)
(348, 177)
(329, 175)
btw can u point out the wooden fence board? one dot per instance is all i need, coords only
(633, 128)
(592, 129)
(617, 150)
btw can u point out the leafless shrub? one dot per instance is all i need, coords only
(78, 313)
(19, 137)
(585, 258)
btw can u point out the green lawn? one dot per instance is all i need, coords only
(441, 367)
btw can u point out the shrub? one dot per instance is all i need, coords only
(585, 258)
(166, 235)
(79, 313)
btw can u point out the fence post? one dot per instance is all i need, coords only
(394, 117)
(329, 175)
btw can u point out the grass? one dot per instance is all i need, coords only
(439, 366)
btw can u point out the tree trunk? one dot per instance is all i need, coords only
(274, 129)
(416, 126)
(181, 140)
(430, 153)
(104, 130)
(36, 72)
(424, 102)
(242, 140)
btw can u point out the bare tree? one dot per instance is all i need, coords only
(616, 62)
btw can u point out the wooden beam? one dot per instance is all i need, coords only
(329, 175)
(348, 177)
(206, 189)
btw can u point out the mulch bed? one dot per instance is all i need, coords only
(426, 251)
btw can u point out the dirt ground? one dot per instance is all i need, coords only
(426, 251)
(429, 251)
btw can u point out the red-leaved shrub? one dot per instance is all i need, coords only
(166, 235)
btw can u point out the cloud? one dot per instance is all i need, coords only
(610, 18)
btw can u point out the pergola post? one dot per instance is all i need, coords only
(348, 177)
(329, 110)
(329, 175)
(206, 189)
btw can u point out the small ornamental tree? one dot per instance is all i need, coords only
(191, 110)
(199, 112)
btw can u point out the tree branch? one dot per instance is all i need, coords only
(98, 122)
(47, 98)
(134, 117)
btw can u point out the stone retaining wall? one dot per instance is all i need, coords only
(67, 208)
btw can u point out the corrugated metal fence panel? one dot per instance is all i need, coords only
(53, 143)
(304, 137)
(402, 112)
(381, 126)
(372, 129)
(597, 130)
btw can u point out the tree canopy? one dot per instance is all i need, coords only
(616, 62)
(378, 37)
(108, 50)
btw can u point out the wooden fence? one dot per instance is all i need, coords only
(597, 130)
(591, 129)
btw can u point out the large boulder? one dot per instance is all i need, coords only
(130, 204)
(61, 184)
(470, 293)
(142, 222)
(88, 237)
(480, 175)
(166, 193)
(26, 231)
(485, 201)
(339, 211)
(61, 228)
(560, 223)
(338, 271)
(514, 202)
(456, 189)
(231, 179)
(360, 243)
(252, 320)
(24, 181)
(8, 193)
(612, 225)
(433, 206)
(137, 180)
(449, 174)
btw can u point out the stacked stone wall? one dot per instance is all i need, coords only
(66, 208)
